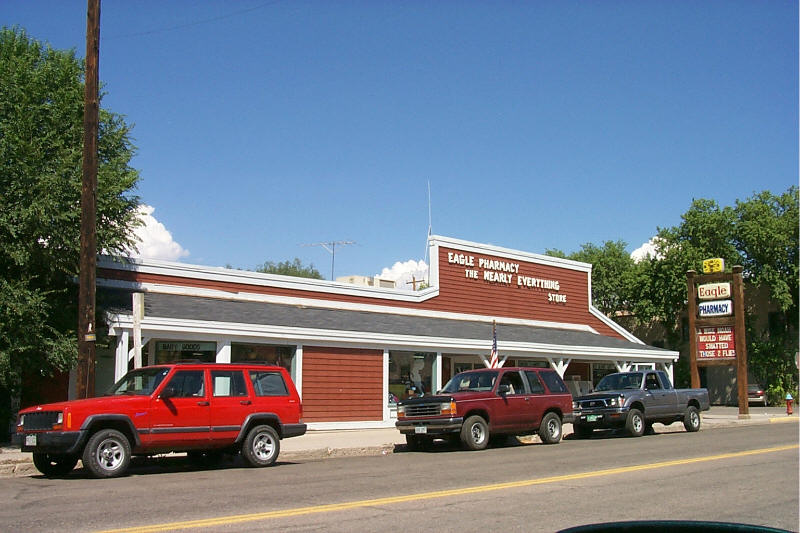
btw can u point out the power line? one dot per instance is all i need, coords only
(195, 23)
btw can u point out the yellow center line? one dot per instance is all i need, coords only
(298, 511)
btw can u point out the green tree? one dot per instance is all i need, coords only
(41, 139)
(612, 274)
(761, 234)
(706, 230)
(767, 236)
(290, 268)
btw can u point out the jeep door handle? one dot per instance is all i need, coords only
(202, 403)
(245, 402)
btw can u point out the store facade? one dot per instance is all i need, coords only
(353, 351)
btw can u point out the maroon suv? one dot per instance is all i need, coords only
(479, 404)
(204, 409)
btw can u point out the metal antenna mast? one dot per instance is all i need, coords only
(430, 230)
(331, 247)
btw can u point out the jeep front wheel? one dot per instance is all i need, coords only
(107, 454)
(54, 465)
(261, 446)
(475, 433)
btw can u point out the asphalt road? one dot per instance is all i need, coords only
(743, 474)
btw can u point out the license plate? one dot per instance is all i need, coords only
(593, 418)
(30, 440)
(420, 429)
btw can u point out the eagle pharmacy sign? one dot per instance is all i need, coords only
(716, 321)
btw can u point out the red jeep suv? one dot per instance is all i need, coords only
(204, 409)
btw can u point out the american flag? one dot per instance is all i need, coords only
(493, 357)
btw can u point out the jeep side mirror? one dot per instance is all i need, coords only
(168, 392)
(504, 388)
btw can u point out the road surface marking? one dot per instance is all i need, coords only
(298, 511)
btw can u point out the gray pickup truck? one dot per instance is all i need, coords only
(635, 401)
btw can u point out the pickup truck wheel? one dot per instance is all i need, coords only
(261, 446)
(550, 429)
(54, 465)
(691, 420)
(634, 425)
(475, 433)
(107, 454)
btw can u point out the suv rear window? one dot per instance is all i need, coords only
(553, 382)
(228, 383)
(268, 383)
(534, 382)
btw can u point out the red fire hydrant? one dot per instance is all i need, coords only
(789, 404)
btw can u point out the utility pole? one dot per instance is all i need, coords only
(87, 329)
(414, 282)
(331, 247)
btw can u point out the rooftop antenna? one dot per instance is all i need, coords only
(331, 247)
(430, 232)
(430, 226)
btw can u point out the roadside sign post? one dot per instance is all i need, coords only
(716, 324)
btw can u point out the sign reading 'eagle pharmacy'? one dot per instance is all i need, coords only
(715, 308)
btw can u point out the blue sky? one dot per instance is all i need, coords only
(263, 126)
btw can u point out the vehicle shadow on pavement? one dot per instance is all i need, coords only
(448, 445)
(145, 466)
(599, 434)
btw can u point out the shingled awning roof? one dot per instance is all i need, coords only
(370, 328)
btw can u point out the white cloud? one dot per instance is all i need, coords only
(154, 240)
(402, 272)
(646, 250)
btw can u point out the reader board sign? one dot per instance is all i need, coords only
(716, 343)
(714, 291)
(715, 308)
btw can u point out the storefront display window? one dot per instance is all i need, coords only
(532, 363)
(171, 351)
(459, 367)
(600, 370)
(267, 353)
(410, 374)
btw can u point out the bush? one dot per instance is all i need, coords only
(776, 395)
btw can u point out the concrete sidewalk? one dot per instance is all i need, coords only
(361, 442)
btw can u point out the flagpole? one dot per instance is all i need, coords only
(493, 358)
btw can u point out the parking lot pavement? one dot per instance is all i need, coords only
(321, 444)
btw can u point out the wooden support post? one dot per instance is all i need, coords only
(692, 311)
(741, 344)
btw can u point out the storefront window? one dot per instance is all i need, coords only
(410, 374)
(600, 370)
(533, 363)
(171, 351)
(459, 367)
(267, 353)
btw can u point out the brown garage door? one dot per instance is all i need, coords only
(342, 384)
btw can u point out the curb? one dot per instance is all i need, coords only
(787, 418)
